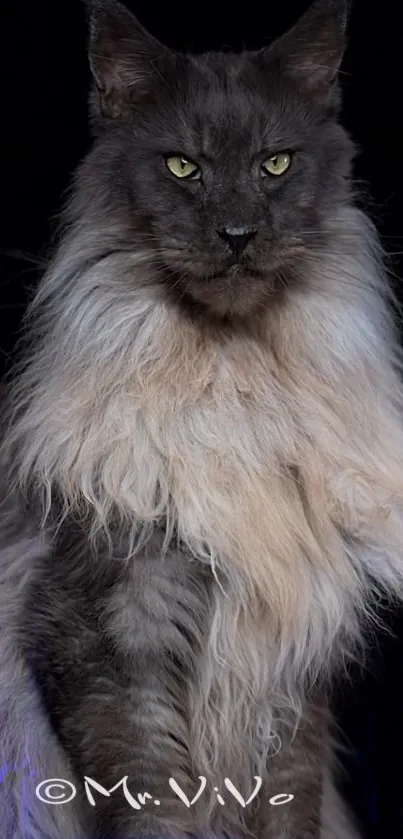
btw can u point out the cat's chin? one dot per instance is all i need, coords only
(236, 292)
(236, 270)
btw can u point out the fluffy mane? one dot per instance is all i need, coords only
(274, 454)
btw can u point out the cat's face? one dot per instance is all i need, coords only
(232, 163)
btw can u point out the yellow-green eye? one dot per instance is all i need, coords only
(181, 167)
(277, 164)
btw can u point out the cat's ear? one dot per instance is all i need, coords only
(311, 52)
(125, 60)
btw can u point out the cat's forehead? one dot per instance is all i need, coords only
(225, 104)
(225, 90)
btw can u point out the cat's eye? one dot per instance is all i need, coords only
(181, 167)
(277, 164)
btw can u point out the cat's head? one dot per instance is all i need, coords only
(229, 165)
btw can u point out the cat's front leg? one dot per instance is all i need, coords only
(297, 770)
(113, 644)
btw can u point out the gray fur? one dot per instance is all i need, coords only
(202, 458)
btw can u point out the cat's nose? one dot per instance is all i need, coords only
(237, 238)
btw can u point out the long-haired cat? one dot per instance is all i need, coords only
(202, 458)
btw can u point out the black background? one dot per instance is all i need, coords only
(43, 112)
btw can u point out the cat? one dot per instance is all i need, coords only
(202, 452)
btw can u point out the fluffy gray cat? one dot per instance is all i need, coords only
(202, 458)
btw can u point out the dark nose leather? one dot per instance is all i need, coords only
(237, 238)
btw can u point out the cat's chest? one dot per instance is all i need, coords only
(245, 414)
